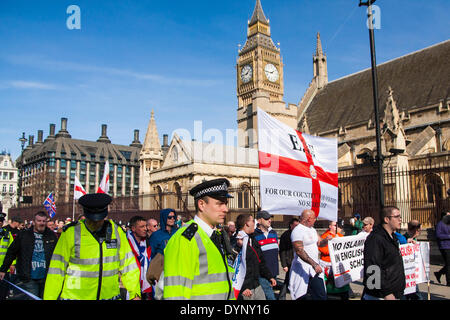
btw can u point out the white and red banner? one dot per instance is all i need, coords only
(347, 261)
(347, 258)
(104, 184)
(297, 171)
(78, 190)
(416, 261)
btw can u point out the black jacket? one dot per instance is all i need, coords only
(286, 249)
(382, 250)
(255, 265)
(22, 248)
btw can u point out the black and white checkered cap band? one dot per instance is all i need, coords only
(213, 189)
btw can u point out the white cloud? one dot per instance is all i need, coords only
(43, 63)
(21, 84)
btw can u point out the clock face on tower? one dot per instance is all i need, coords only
(271, 72)
(246, 73)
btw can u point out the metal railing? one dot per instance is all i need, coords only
(419, 191)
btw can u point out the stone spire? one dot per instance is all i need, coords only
(258, 15)
(391, 115)
(393, 131)
(151, 142)
(258, 31)
(151, 156)
(320, 65)
(319, 51)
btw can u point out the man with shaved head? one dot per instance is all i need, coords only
(307, 280)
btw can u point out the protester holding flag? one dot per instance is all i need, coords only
(140, 245)
(33, 249)
(250, 264)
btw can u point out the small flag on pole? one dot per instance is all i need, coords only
(104, 184)
(50, 205)
(78, 191)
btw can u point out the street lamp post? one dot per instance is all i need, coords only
(379, 157)
(22, 140)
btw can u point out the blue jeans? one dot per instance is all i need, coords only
(35, 287)
(267, 288)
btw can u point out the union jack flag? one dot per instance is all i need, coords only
(50, 205)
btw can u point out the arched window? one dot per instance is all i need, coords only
(243, 196)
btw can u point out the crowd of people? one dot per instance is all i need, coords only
(200, 258)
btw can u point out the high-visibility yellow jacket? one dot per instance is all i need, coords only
(6, 238)
(82, 268)
(195, 269)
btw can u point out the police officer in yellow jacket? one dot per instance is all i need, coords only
(195, 258)
(6, 238)
(89, 256)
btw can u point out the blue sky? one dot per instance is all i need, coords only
(177, 57)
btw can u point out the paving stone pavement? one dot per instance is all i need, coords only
(437, 291)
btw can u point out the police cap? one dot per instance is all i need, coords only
(2, 216)
(217, 189)
(95, 205)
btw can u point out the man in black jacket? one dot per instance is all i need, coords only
(286, 255)
(33, 249)
(384, 274)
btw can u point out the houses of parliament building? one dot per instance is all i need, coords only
(414, 114)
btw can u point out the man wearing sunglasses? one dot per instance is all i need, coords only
(384, 274)
(152, 226)
(159, 239)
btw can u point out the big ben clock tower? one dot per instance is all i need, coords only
(259, 79)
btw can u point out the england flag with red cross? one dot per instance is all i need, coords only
(297, 171)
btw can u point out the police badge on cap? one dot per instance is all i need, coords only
(217, 188)
(95, 205)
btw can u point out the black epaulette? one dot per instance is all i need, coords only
(190, 231)
(4, 233)
(67, 226)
